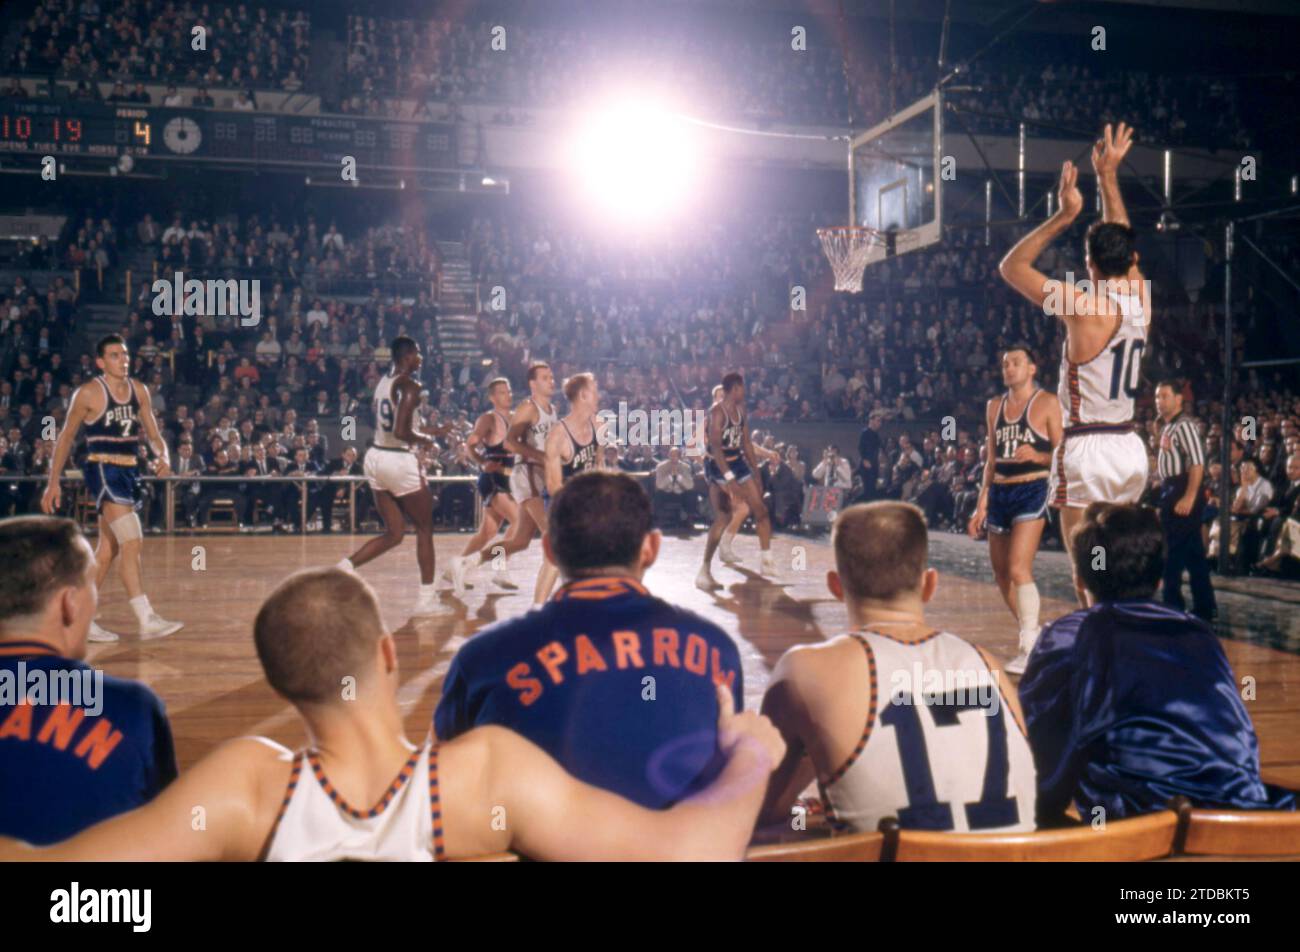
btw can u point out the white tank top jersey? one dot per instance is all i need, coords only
(386, 415)
(1103, 389)
(948, 766)
(317, 825)
(536, 436)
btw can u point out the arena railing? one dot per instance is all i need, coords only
(304, 483)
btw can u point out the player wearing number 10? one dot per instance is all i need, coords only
(1101, 458)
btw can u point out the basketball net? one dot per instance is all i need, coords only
(847, 248)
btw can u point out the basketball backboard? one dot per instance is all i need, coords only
(894, 182)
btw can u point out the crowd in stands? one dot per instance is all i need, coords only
(398, 67)
(134, 42)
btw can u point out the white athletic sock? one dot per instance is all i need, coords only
(728, 538)
(1027, 607)
(140, 605)
(427, 591)
(345, 565)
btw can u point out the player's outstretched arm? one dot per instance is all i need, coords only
(1017, 268)
(553, 816)
(1107, 154)
(211, 812)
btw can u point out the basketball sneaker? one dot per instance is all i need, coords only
(768, 564)
(101, 635)
(1027, 641)
(727, 554)
(460, 565)
(155, 626)
(705, 581)
(430, 604)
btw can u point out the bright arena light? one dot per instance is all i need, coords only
(635, 161)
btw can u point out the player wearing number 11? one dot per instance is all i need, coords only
(1107, 318)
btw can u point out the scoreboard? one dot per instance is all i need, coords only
(111, 130)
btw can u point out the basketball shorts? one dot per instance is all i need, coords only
(393, 471)
(739, 466)
(489, 484)
(1099, 467)
(526, 482)
(1010, 503)
(106, 481)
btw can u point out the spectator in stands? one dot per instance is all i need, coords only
(675, 493)
(833, 470)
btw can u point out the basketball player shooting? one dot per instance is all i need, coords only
(114, 407)
(1101, 458)
(395, 475)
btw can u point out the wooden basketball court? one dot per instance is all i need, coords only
(209, 677)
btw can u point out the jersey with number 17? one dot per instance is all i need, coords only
(1102, 390)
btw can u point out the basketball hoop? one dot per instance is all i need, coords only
(847, 248)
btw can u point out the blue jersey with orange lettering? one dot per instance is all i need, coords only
(72, 760)
(615, 684)
(1129, 704)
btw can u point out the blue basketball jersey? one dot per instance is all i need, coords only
(615, 684)
(68, 762)
(1129, 704)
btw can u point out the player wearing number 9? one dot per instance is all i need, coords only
(895, 718)
(1107, 318)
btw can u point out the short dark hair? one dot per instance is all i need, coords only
(402, 346)
(1024, 348)
(1175, 385)
(731, 381)
(318, 627)
(1119, 551)
(107, 341)
(881, 549)
(535, 367)
(1111, 247)
(38, 556)
(598, 520)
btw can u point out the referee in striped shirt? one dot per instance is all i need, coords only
(1181, 465)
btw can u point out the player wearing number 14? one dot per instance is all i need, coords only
(1101, 458)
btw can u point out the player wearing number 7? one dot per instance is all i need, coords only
(1107, 318)
(113, 408)
(894, 718)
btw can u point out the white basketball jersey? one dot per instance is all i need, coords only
(317, 824)
(960, 763)
(386, 415)
(536, 436)
(1103, 389)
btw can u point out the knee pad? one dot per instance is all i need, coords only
(126, 528)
